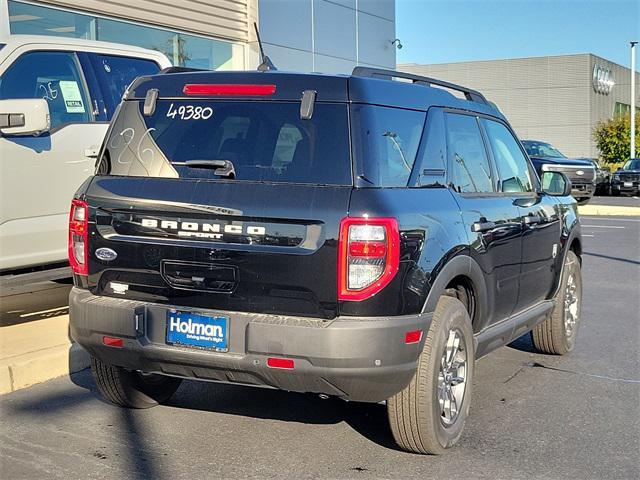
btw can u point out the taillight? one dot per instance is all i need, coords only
(208, 89)
(369, 255)
(78, 234)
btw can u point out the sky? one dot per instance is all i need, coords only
(443, 31)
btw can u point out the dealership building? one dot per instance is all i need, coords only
(329, 36)
(557, 99)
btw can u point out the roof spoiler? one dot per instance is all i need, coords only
(470, 94)
(181, 70)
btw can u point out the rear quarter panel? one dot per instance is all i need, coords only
(431, 233)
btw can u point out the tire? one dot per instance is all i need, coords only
(417, 420)
(131, 389)
(557, 334)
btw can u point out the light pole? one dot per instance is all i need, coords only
(633, 99)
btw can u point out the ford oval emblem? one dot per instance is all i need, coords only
(580, 172)
(106, 254)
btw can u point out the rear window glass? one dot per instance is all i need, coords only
(263, 141)
(386, 142)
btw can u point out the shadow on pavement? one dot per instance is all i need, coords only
(131, 430)
(609, 257)
(524, 344)
(369, 420)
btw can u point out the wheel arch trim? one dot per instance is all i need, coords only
(461, 265)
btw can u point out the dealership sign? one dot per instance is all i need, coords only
(602, 79)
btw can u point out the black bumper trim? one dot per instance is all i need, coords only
(356, 358)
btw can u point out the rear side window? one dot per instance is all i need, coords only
(115, 73)
(386, 142)
(53, 76)
(264, 141)
(469, 166)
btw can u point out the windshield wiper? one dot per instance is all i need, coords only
(223, 168)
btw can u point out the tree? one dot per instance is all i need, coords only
(613, 138)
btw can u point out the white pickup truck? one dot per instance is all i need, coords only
(57, 96)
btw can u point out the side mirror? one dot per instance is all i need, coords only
(24, 116)
(556, 184)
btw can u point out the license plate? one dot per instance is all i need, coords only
(628, 184)
(197, 331)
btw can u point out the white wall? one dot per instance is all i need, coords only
(330, 36)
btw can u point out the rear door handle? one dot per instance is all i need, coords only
(482, 226)
(532, 219)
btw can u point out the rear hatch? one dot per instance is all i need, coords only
(227, 200)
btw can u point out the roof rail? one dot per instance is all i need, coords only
(470, 94)
(181, 70)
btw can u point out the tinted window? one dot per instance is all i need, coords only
(265, 141)
(116, 73)
(53, 76)
(513, 170)
(470, 170)
(432, 157)
(386, 141)
(541, 149)
(633, 164)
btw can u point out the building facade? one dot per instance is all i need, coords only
(303, 35)
(557, 99)
(328, 35)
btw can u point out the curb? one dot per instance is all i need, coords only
(36, 367)
(606, 210)
(36, 351)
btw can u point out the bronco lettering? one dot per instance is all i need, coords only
(201, 230)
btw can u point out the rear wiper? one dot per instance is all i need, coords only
(224, 168)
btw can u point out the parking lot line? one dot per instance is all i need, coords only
(599, 219)
(25, 315)
(603, 226)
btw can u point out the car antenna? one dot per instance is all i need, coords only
(267, 64)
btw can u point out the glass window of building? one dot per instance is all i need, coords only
(182, 49)
(28, 19)
(623, 109)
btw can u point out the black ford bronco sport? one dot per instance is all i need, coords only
(366, 237)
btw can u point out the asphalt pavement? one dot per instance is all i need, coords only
(621, 201)
(533, 416)
(36, 301)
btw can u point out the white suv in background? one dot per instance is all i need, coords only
(57, 96)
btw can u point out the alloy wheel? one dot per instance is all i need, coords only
(452, 380)
(571, 304)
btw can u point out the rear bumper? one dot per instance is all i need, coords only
(355, 358)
